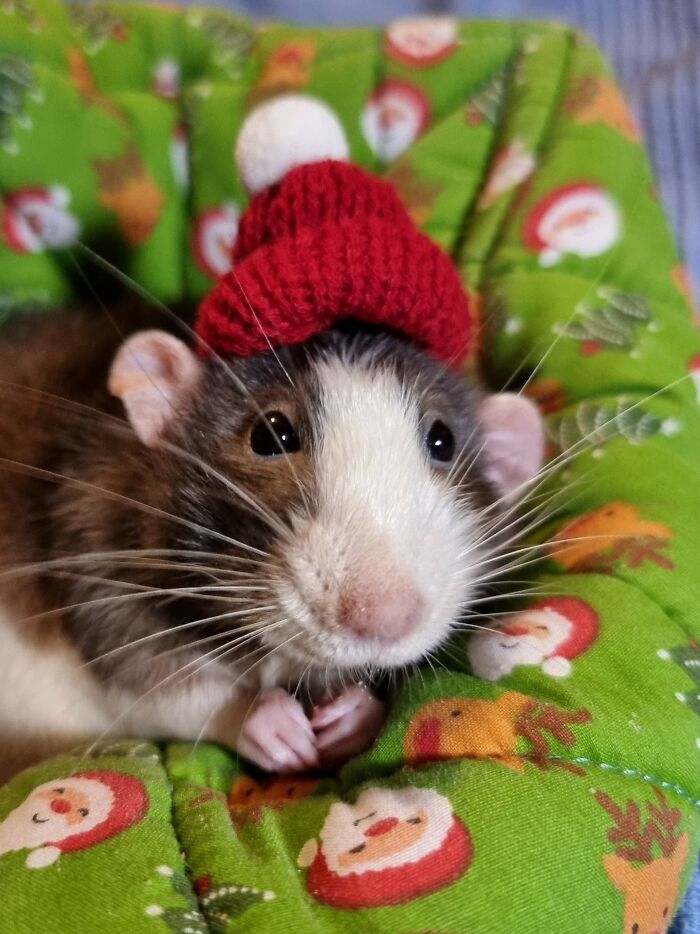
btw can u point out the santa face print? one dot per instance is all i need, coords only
(580, 220)
(549, 634)
(73, 813)
(213, 238)
(55, 811)
(524, 639)
(376, 833)
(422, 40)
(38, 219)
(388, 847)
(510, 167)
(393, 118)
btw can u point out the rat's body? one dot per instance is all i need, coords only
(184, 527)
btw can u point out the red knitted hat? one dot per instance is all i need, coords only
(322, 241)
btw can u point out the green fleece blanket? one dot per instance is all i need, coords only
(547, 779)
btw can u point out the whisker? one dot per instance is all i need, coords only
(192, 334)
(55, 477)
(79, 410)
(173, 629)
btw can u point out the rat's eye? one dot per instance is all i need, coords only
(273, 435)
(440, 442)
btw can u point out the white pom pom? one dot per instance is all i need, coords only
(288, 131)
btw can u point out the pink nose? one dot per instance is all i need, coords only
(382, 613)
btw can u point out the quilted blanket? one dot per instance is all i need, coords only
(545, 777)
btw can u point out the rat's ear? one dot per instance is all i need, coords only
(514, 441)
(153, 373)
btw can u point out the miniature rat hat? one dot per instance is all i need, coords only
(322, 241)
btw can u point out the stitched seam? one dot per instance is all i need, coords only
(581, 760)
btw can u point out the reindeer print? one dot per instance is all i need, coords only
(613, 534)
(647, 863)
(126, 187)
(473, 728)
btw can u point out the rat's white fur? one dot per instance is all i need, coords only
(382, 517)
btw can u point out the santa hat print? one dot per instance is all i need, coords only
(322, 241)
(584, 623)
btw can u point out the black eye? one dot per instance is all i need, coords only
(83, 811)
(440, 442)
(635, 928)
(273, 435)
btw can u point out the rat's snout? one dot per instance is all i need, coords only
(388, 610)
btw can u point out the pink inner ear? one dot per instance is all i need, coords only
(514, 437)
(153, 374)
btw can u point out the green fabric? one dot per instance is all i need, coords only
(567, 795)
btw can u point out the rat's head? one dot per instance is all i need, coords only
(354, 471)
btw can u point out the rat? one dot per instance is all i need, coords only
(231, 538)
(232, 548)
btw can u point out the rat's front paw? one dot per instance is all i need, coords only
(277, 735)
(347, 724)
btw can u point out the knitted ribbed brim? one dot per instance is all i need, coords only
(327, 244)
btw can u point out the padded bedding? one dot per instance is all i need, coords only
(545, 777)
